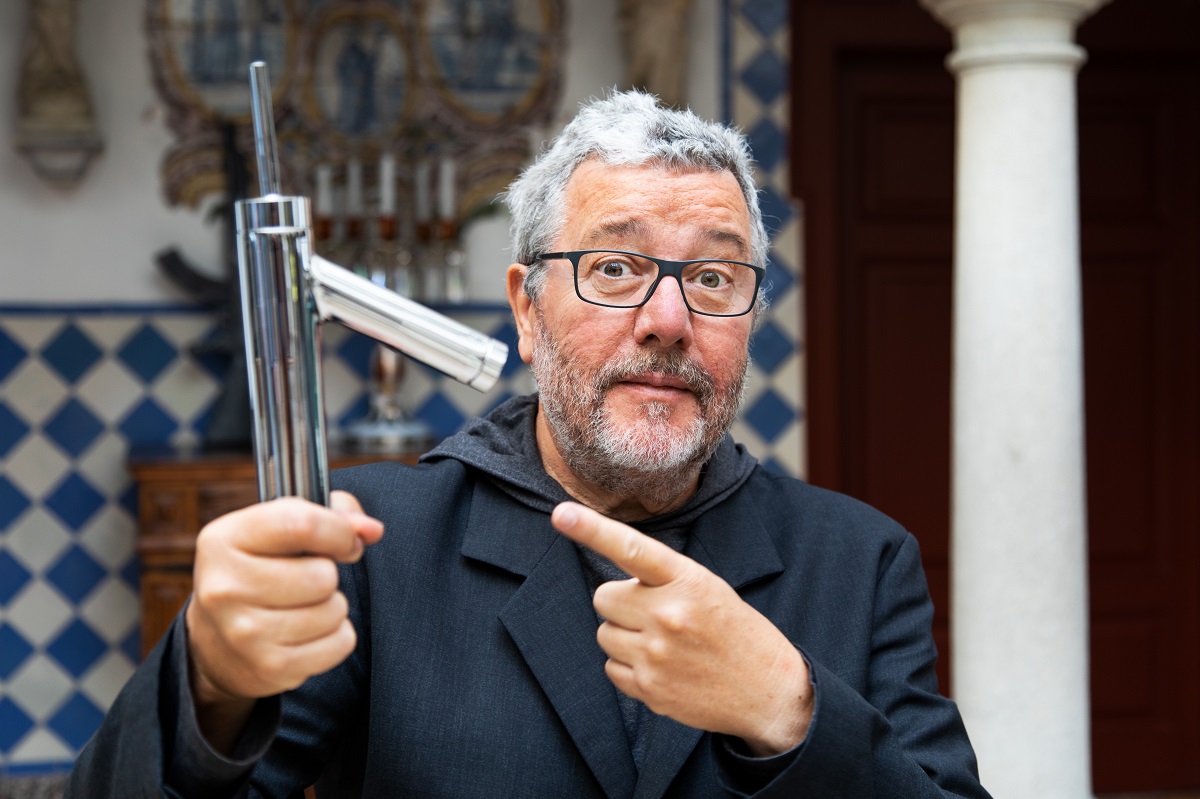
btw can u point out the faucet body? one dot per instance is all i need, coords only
(287, 292)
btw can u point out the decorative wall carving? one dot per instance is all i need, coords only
(56, 130)
(357, 79)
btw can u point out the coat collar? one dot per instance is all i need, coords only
(552, 623)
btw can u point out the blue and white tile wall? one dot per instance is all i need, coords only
(757, 100)
(80, 386)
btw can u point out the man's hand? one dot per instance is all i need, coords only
(266, 613)
(680, 639)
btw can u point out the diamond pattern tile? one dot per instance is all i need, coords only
(767, 143)
(111, 609)
(40, 752)
(39, 612)
(12, 503)
(13, 577)
(769, 415)
(76, 721)
(770, 347)
(74, 501)
(12, 430)
(109, 537)
(73, 428)
(776, 211)
(37, 465)
(356, 351)
(131, 572)
(132, 644)
(111, 390)
(75, 574)
(765, 76)
(14, 724)
(37, 540)
(107, 677)
(77, 648)
(129, 500)
(147, 353)
(71, 354)
(148, 424)
(441, 416)
(41, 686)
(355, 410)
(14, 649)
(767, 16)
(11, 355)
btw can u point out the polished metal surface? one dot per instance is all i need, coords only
(466, 355)
(266, 149)
(282, 348)
(287, 291)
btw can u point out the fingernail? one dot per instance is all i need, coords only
(567, 515)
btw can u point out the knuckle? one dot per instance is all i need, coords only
(673, 618)
(214, 591)
(241, 631)
(272, 667)
(324, 577)
(645, 682)
(295, 517)
(341, 605)
(658, 649)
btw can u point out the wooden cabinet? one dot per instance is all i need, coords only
(179, 493)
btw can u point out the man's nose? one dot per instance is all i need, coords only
(665, 316)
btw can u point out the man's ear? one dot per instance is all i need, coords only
(523, 310)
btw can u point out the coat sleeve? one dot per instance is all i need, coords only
(898, 738)
(150, 743)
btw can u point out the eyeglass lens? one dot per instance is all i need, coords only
(622, 280)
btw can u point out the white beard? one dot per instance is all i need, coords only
(647, 457)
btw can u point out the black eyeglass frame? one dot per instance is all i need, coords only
(666, 268)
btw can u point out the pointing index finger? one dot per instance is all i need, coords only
(652, 562)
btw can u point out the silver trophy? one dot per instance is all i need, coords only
(287, 292)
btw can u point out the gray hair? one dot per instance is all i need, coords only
(625, 128)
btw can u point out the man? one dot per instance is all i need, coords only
(590, 592)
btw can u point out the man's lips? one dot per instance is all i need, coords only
(655, 388)
(658, 381)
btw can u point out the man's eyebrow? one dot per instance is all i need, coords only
(728, 237)
(629, 228)
(614, 230)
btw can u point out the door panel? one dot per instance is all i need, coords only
(1139, 202)
(886, 264)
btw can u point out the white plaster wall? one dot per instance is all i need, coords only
(95, 244)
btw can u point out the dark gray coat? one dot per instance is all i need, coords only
(478, 674)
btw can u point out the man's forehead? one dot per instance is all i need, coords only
(619, 202)
(632, 229)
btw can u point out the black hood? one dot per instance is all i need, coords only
(503, 446)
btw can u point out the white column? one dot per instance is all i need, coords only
(1019, 555)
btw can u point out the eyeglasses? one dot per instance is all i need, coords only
(618, 279)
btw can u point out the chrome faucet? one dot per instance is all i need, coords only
(287, 292)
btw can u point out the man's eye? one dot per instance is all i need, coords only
(614, 268)
(710, 279)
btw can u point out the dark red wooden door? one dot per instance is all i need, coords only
(874, 135)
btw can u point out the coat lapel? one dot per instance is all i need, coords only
(551, 621)
(730, 541)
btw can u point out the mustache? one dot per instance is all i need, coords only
(671, 363)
